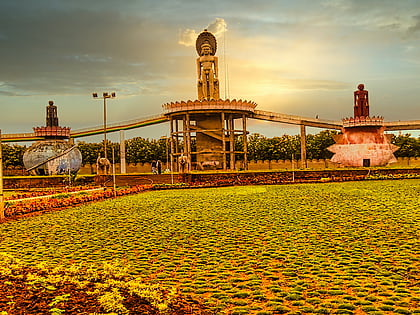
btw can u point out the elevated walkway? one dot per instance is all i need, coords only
(296, 120)
(256, 114)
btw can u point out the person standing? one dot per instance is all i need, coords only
(154, 167)
(159, 166)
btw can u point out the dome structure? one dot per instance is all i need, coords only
(52, 157)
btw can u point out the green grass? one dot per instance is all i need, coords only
(248, 245)
(8, 193)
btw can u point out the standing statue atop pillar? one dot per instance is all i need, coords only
(207, 67)
(361, 102)
(52, 118)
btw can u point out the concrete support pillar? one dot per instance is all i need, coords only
(172, 141)
(245, 142)
(224, 141)
(187, 140)
(123, 164)
(176, 143)
(304, 164)
(232, 141)
(184, 128)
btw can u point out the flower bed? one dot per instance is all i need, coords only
(348, 248)
(82, 289)
(65, 199)
(37, 201)
(45, 192)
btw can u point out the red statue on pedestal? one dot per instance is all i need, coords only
(363, 141)
(361, 102)
(52, 118)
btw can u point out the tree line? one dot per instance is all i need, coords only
(144, 150)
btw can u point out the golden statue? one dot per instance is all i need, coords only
(207, 67)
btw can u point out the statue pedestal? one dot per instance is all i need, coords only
(363, 143)
(205, 132)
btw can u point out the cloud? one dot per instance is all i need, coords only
(299, 84)
(337, 4)
(412, 30)
(71, 52)
(218, 27)
(188, 36)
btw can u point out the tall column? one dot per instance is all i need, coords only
(184, 128)
(105, 150)
(176, 143)
(171, 156)
(245, 142)
(224, 141)
(123, 168)
(187, 139)
(304, 164)
(232, 141)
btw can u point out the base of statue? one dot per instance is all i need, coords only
(363, 143)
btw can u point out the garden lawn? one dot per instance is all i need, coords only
(344, 248)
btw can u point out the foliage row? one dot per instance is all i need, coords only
(141, 150)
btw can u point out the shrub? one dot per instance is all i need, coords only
(241, 295)
(293, 297)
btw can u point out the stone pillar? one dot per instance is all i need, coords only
(245, 142)
(232, 141)
(304, 164)
(187, 140)
(224, 141)
(123, 164)
(171, 125)
(176, 143)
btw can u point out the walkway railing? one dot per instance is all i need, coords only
(237, 105)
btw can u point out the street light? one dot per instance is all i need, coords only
(105, 95)
(1, 183)
(167, 139)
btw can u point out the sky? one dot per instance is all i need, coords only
(301, 57)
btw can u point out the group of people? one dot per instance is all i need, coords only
(157, 167)
(182, 161)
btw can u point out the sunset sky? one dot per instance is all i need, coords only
(301, 57)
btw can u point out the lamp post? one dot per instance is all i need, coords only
(167, 139)
(105, 95)
(1, 182)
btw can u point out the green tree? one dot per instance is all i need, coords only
(408, 146)
(316, 145)
(139, 150)
(13, 155)
(290, 146)
(90, 151)
(257, 147)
